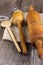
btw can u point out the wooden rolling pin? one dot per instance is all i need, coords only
(7, 24)
(17, 19)
(36, 30)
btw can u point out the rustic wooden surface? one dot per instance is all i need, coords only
(10, 56)
(8, 52)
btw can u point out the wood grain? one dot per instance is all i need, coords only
(10, 56)
(8, 52)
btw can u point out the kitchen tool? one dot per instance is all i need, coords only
(17, 19)
(35, 29)
(7, 24)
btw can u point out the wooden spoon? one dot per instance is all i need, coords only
(17, 19)
(35, 30)
(7, 24)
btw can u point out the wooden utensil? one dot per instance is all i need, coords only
(17, 19)
(7, 24)
(35, 29)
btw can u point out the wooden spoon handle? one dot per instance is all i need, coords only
(23, 45)
(13, 38)
(39, 46)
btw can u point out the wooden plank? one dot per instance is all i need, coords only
(10, 56)
(8, 52)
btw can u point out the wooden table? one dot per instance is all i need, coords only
(10, 56)
(8, 52)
